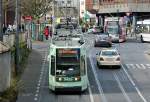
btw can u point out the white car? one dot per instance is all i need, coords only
(145, 37)
(108, 57)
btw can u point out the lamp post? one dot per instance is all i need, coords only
(1, 23)
(17, 41)
(118, 19)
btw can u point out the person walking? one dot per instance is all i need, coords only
(46, 32)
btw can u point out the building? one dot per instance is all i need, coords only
(140, 8)
(66, 7)
(134, 9)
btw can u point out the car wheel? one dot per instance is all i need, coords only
(98, 65)
(95, 45)
(119, 66)
(109, 45)
(142, 39)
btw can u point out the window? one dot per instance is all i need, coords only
(68, 62)
(109, 53)
(52, 65)
(83, 71)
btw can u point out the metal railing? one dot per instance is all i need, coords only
(9, 38)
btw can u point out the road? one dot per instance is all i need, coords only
(128, 84)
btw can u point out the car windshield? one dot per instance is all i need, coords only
(112, 30)
(109, 53)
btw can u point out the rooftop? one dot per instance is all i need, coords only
(67, 41)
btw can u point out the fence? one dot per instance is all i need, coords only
(9, 39)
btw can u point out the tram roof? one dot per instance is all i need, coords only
(67, 41)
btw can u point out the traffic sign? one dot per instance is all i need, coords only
(27, 17)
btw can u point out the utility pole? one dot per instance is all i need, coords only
(17, 40)
(78, 12)
(53, 19)
(1, 21)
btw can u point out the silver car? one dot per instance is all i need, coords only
(108, 57)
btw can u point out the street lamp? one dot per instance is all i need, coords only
(118, 19)
(1, 22)
(17, 40)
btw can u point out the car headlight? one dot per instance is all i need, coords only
(101, 59)
(118, 59)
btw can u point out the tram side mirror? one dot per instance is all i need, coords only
(81, 42)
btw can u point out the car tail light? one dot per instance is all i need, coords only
(101, 59)
(118, 59)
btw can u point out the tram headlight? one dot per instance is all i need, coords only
(77, 78)
(60, 79)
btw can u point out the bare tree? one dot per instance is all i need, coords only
(36, 8)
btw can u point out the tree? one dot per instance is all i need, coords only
(36, 8)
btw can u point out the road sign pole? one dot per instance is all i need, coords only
(1, 22)
(17, 41)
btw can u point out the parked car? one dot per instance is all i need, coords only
(145, 37)
(95, 30)
(102, 40)
(108, 57)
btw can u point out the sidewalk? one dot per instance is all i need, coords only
(29, 79)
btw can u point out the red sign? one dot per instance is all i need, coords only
(68, 51)
(27, 17)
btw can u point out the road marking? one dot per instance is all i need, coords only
(97, 81)
(36, 95)
(143, 67)
(90, 92)
(43, 75)
(35, 99)
(148, 65)
(39, 84)
(131, 80)
(129, 66)
(138, 66)
(37, 91)
(121, 87)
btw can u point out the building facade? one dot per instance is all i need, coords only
(66, 7)
(137, 7)
(133, 9)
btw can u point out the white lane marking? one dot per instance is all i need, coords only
(36, 95)
(148, 65)
(122, 89)
(38, 87)
(131, 80)
(97, 81)
(35, 99)
(90, 92)
(37, 91)
(138, 66)
(39, 84)
(43, 76)
(39, 81)
(142, 66)
(129, 66)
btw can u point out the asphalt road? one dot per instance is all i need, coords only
(130, 83)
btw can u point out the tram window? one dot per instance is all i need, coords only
(83, 65)
(52, 65)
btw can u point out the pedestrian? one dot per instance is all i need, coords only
(46, 32)
(4, 29)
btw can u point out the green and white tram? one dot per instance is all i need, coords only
(67, 66)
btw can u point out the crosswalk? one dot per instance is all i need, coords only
(137, 66)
